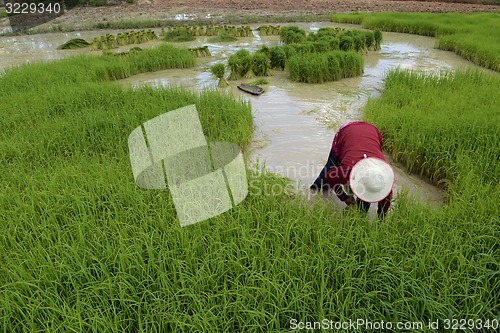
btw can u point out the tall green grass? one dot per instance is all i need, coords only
(89, 68)
(324, 67)
(83, 249)
(441, 126)
(473, 36)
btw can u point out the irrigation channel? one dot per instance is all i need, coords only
(294, 122)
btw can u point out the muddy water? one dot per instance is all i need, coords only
(294, 122)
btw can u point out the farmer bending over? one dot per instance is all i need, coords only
(356, 159)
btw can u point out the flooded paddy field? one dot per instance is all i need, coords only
(294, 122)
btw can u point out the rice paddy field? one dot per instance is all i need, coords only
(83, 249)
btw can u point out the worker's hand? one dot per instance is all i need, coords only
(350, 201)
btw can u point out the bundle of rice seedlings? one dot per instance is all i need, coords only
(95, 44)
(377, 35)
(369, 40)
(152, 35)
(162, 33)
(359, 42)
(278, 57)
(218, 71)
(246, 64)
(223, 38)
(261, 64)
(292, 34)
(75, 43)
(324, 67)
(235, 66)
(346, 43)
(179, 35)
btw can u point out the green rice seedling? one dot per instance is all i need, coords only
(324, 67)
(163, 33)
(235, 66)
(370, 40)
(218, 70)
(322, 33)
(200, 51)
(346, 43)
(292, 34)
(360, 42)
(321, 46)
(179, 35)
(269, 30)
(245, 63)
(472, 36)
(209, 31)
(223, 38)
(75, 43)
(377, 36)
(266, 50)
(289, 50)
(95, 44)
(278, 57)
(261, 64)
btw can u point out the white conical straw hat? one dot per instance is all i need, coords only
(371, 179)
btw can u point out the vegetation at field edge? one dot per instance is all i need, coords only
(472, 36)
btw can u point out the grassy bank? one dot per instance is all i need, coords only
(472, 36)
(83, 249)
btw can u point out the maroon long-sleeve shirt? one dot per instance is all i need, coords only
(351, 142)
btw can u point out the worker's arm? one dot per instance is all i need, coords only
(383, 206)
(336, 177)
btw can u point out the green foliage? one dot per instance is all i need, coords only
(91, 68)
(179, 35)
(75, 43)
(218, 70)
(277, 57)
(452, 121)
(473, 36)
(261, 64)
(324, 67)
(292, 34)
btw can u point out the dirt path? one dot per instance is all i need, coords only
(168, 9)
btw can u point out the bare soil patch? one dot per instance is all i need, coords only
(168, 9)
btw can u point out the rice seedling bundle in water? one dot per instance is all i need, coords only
(278, 57)
(324, 67)
(179, 35)
(75, 43)
(218, 70)
(292, 34)
(261, 64)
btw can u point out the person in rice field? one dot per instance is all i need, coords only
(356, 160)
